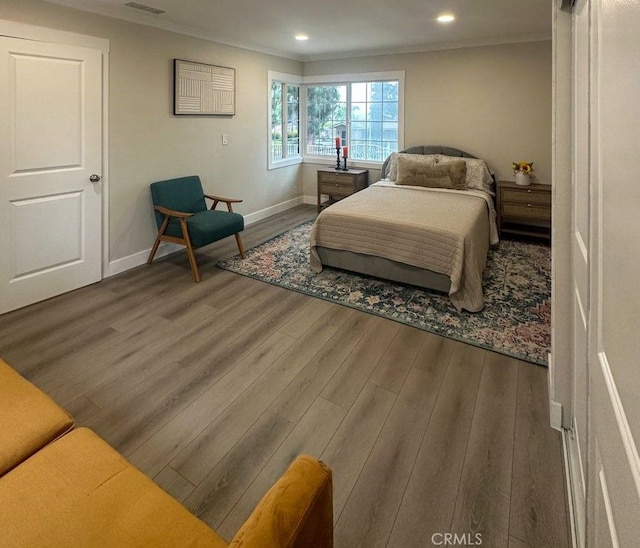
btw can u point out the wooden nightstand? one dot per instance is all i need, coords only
(524, 210)
(339, 184)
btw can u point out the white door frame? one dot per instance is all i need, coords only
(43, 34)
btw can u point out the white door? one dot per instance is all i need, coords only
(613, 485)
(581, 225)
(50, 146)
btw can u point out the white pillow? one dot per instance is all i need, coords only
(392, 167)
(478, 174)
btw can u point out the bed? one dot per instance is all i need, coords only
(436, 238)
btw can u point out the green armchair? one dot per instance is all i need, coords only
(183, 218)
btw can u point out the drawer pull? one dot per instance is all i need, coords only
(528, 205)
(529, 191)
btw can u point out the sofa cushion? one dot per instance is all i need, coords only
(78, 491)
(29, 419)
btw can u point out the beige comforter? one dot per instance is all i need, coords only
(445, 231)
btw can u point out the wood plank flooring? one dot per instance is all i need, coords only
(213, 388)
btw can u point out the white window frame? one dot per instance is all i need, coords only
(287, 79)
(338, 79)
(330, 79)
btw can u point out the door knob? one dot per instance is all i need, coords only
(95, 178)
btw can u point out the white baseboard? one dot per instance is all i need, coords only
(272, 210)
(140, 258)
(313, 200)
(576, 489)
(555, 408)
(132, 261)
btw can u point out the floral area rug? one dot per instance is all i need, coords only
(516, 319)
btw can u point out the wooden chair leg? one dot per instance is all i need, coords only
(192, 262)
(161, 230)
(240, 246)
(154, 249)
(190, 254)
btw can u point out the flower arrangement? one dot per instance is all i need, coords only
(522, 167)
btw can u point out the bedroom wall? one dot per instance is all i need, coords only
(492, 101)
(148, 143)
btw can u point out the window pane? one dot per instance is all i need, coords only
(374, 131)
(358, 150)
(374, 120)
(285, 117)
(293, 94)
(293, 121)
(276, 121)
(390, 132)
(293, 131)
(326, 118)
(359, 92)
(375, 91)
(390, 91)
(358, 111)
(390, 98)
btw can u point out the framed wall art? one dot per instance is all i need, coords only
(205, 90)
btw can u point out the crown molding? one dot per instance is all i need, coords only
(425, 48)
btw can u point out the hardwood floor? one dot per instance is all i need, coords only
(213, 388)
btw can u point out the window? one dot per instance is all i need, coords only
(326, 119)
(284, 120)
(307, 114)
(374, 120)
(365, 115)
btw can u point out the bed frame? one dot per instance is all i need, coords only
(387, 269)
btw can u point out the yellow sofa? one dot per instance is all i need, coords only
(63, 487)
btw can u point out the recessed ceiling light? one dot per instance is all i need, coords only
(302, 37)
(446, 18)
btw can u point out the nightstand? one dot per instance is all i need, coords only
(338, 184)
(524, 210)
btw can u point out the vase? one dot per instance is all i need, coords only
(523, 179)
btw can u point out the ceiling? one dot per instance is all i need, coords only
(339, 28)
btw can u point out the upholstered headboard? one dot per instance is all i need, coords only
(428, 149)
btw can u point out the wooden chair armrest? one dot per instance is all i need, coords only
(172, 212)
(218, 199)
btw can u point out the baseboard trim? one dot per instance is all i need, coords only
(272, 210)
(555, 408)
(137, 259)
(118, 266)
(575, 487)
